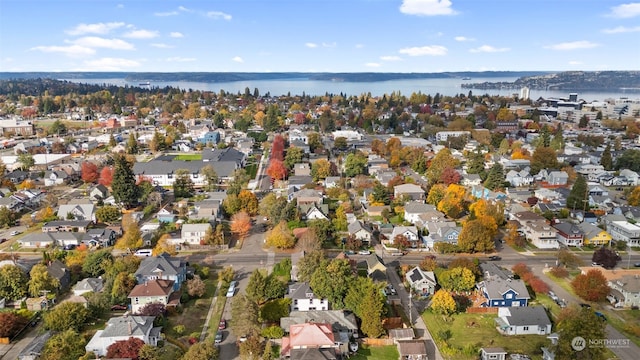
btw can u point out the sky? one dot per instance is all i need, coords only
(319, 35)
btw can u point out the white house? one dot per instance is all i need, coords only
(410, 232)
(361, 231)
(525, 320)
(541, 234)
(303, 298)
(193, 234)
(422, 282)
(152, 292)
(413, 210)
(121, 329)
(84, 286)
(624, 231)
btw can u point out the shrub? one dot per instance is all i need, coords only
(179, 329)
(559, 272)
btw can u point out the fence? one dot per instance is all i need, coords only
(377, 342)
(482, 310)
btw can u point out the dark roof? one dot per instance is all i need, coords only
(300, 291)
(168, 265)
(313, 354)
(528, 315)
(153, 167)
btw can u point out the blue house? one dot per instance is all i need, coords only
(500, 292)
(210, 137)
(166, 215)
(481, 192)
(162, 267)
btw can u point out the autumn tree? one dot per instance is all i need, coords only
(450, 176)
(429, 263)
(457, 279)
(89, 172)
(245, 314)
(67, 315)
(439, 163)
(13, 282)
(196, 287)
(574, 321)
(40, 280)
(467, 263)
(11, 323)
(248, 202)
(605, 257)
(125, 348)
(436, 193)
(493, 209)
(477, 235)
(108, 214)
(634, 197)
(277, 170)
(512, 236)
(241, 225)
(210, 176)
(280, 236)
(355, 164)
(443, 303)
(106, 176)
(591, 286)
(164, 246)
(294, 156)
(65, 345)
(321, 169)
(401, 242)
(453, 202)
(205, 350)
(543, 158)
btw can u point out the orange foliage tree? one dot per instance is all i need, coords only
(89, 172)
(591, 286)
(106, 176)
(453, 202)
(241, 224)
(277, 170)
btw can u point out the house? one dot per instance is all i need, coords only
(518, 178)
(156, 291)
(209, 138)
(303, 298)
(315, 337)
(593, 235)
(376, 269)
(59, 271)
(99, 192)
(77, 212)
(88, 285)
(626, 289)
(315, 211)
(541, 234)
(36, 240)
(527, 320)
(493, 353)
(624, 231)
(162, 267)
(121, 329)
(297, 182)
(442, 232)
(632, 177)
(558, 178)
(302, 169)
(568, 234)
(101, 236)
(409, 232)
(307, 196)
(331, 182)
(412, 349)
(411, 191)
(53, 178)
(194, 234)
(362, 231)
(500, 292)
(471, 180)
(401, 334)
(341, 321)
(80, 226)
(423, 282)
(413, 210)
(166, 215)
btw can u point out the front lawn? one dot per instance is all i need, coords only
(389, 352)
(463, 335)
(194, 312)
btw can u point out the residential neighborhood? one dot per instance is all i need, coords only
(326, 227)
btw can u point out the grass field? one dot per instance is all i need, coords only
(376, 353)
(467, 333)
(189, 157)
(194, 312)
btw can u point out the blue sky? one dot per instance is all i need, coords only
(319, 35)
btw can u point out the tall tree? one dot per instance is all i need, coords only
(204, 350)
(26, 161)
(125, 349)
(331, 280)
(132, 144)
(543, 158)
(441, 161)
(578, 195)
(591, 286)
(443, 303)
(308, 265)
(495, 178)
(66, 315)
(294, 156)
(13, 282)
(210, 176)
(65, 345)
(244, 313)
(457, 279)
(124, 187)
(241, 224)
(477, 235)
(280, 236)
(183, 185)
(277, 169)
(581, 322)
(40, 280)
(355, 164)
(606, 160)
(106, 176)
(89, 172)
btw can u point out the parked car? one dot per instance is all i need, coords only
(232, 289)
(553, 296)
(495, 258)
(364, 252)
(561, 303)
(637, 264)
(218, 339)
(397, 253)
(600, 315)
(69, 247)
(118, 307)
(222, 325)
(15, 232)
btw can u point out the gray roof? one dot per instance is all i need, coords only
(491, 270)
(89, 284)
(497, 287)
(417, 274)
(73, 223)
(300, 180)
(401, 333)
(528, 315)
(161, 167)
(300, 291)
(339, 319)
(313, 354)
(168, 265)
(589, 230)
(222, 155)
(128, 325)
(357, 225)
(416, 207)
(568, 228)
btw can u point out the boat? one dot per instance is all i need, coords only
(466, 78)
(148, 83)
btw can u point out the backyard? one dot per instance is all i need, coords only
(189, 157)
(389, 352)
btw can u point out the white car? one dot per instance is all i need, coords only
(15, 232)
(364, 252)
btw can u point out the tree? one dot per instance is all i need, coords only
(453, 202)
(241, 225)
(606, 160)
(122, 286)
(11, 323)
(201, 351)
(634, 197)
(248, 202)
(578, 195)
(450, 176)
(365, 299)
(131, 239)
(630, 159)
(294, 156)
(472, 265)
(66, 315)
(210, 176)
(7, 217)
(401, 242)
(355, 164)
(94, 264)
(26, 161)
(152, 309)
(308, 265)
(495, 178)
(125, 348)
(106, 176)
(457, 279)
(575, 322)
(323, 229)
(164, 246)
(380, 194)
(277, 170)
(591, 286)
(244, 313)
(443, 303)
(331, 280)
(89, 172)
(477, 235)
(441, 161)
(353, 243)
(132, 144)
(196, 287)
(605, 257)
(320, 169)
(13, 282)
(123, 186)
(40, 280)
(309, 241)
(492, 209)
(273, 311)
(183, 185)
(108, 214)
(280, 236)
(65, 345)
(512, 237)
(436, 194)
(543, 158)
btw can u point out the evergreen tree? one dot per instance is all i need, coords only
(495, 178)
(183, 185)
(112, 140)
(578, 194)
(606, 160)
(132, 144)
(475, 163)
(123, 185)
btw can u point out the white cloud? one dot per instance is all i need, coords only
(625, 11)
(390, 58)
(98, 42)
(372, 64)
(359, 46)
(237, 59)
(433, 50)
(574, 45)
(162, 46)
(329, 45)
(184, 9)
(97, 28)
(218, 15)
(167, 13)
(175, 34)
(427, 7)
(464, 38)
(621, 29)
(180, 59)
(575, 62)
(311, 45)
(110, 64)
(488, 49)
(141, 34)
(72, 50)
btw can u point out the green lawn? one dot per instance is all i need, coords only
(376, 353)
(625, 321)
(252, 170)
(189, 157)
(467, 333)
(194, 312)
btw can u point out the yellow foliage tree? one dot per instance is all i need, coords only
(443, 303)
(45, 214)
(477, 235)
(163, 246)
(452, 204)
(26, 184)
(249, 202)
(483, 207)
(132, 238)
(281, 237)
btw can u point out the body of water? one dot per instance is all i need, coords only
(450, 87)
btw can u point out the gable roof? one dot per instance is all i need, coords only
(311, 335)
(339, 319)
(527, 315)
(357, 225)
(300, 291)
(89, 284)
(157, 287)
(416, 207)
(128, 325)
(167, 264)
(416, 274)
(497, 287)
(408, 188)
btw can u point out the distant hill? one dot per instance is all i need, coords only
(570, 80)
(214, 77)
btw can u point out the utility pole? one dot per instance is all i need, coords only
(410, 306)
